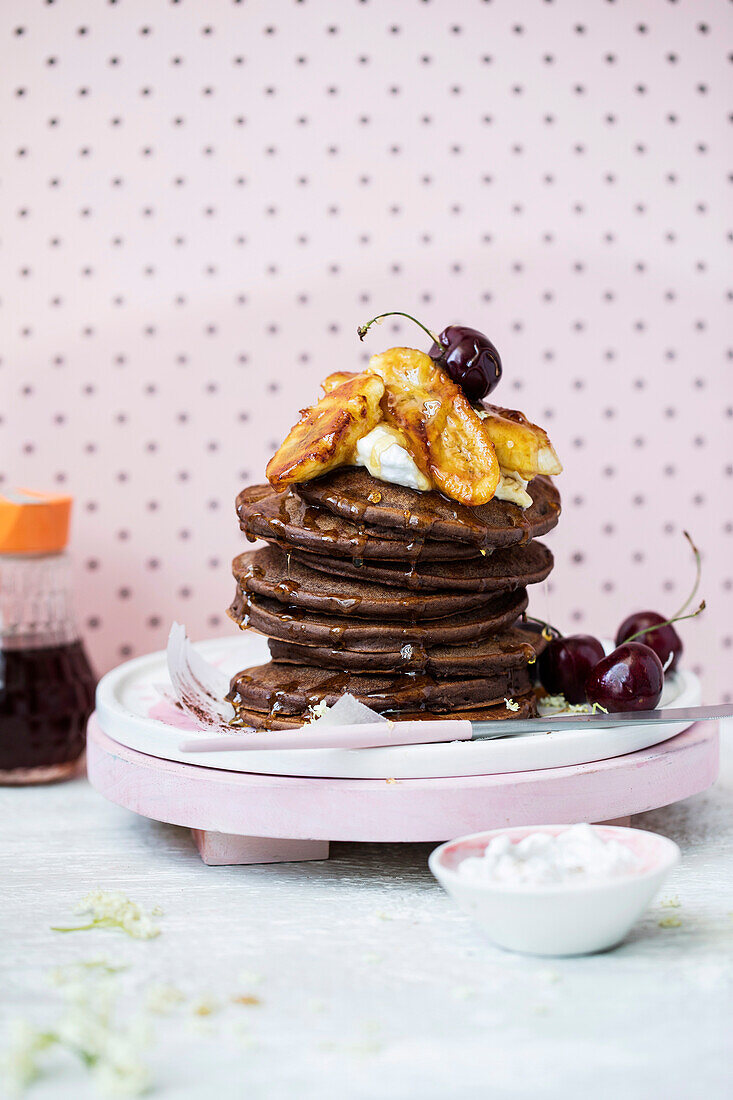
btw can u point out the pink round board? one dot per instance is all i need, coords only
(295, 810)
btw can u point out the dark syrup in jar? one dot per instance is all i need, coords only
(46, 682)
(46, 697)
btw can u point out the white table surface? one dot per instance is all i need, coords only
(371, 983)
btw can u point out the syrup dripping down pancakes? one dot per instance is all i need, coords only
(411, 616)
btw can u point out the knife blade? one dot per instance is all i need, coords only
(618, 719)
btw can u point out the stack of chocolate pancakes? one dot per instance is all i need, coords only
(407, 600)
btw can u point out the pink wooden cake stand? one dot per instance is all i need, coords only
(238, 817)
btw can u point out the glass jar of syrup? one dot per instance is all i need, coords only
(46, 682)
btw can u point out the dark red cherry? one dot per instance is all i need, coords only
(630, 678)
(470, 359)
(565, 664)
(665, 641)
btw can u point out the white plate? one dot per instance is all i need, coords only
(125, 696)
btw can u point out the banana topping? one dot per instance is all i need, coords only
(327, 433)
(408, 423)
(520, 446)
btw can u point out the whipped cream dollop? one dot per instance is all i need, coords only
(384, 455)
(578, 854)
(513, 487)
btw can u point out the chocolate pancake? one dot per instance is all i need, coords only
(280, 576)
(277, 689)
(497, 570)
(496, 712)
(352, 493)
(289, 520)
(514, 651)
(292, 624)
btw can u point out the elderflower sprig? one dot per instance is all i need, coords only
(316, 710)
(21, 1059)
(550, 705)
(111, 909)
(89, 1028)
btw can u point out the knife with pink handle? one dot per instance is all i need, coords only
(372, 735)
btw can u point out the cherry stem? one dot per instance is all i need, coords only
(678, 617)
(698, 574)
(362, 330)
(658, 626)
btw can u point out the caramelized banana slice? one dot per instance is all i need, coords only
(443, 432)
(337, 379)
(327, 433)
(520, 446)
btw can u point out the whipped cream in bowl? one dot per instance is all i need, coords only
(577, 854)
(555, 889)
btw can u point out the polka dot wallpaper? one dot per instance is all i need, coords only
(201, 201)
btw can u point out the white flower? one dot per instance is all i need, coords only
(550, 705)
(511, 705)
(88, 1028)
(110, 1051)
(316, 710)
(82, 1031)
(20, 1060)
(111, 909)
(103, 903)
(558, 704)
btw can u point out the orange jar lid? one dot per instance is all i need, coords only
(33, 523)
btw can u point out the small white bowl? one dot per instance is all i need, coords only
(559, 919)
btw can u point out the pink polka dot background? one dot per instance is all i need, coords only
(202, 201)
